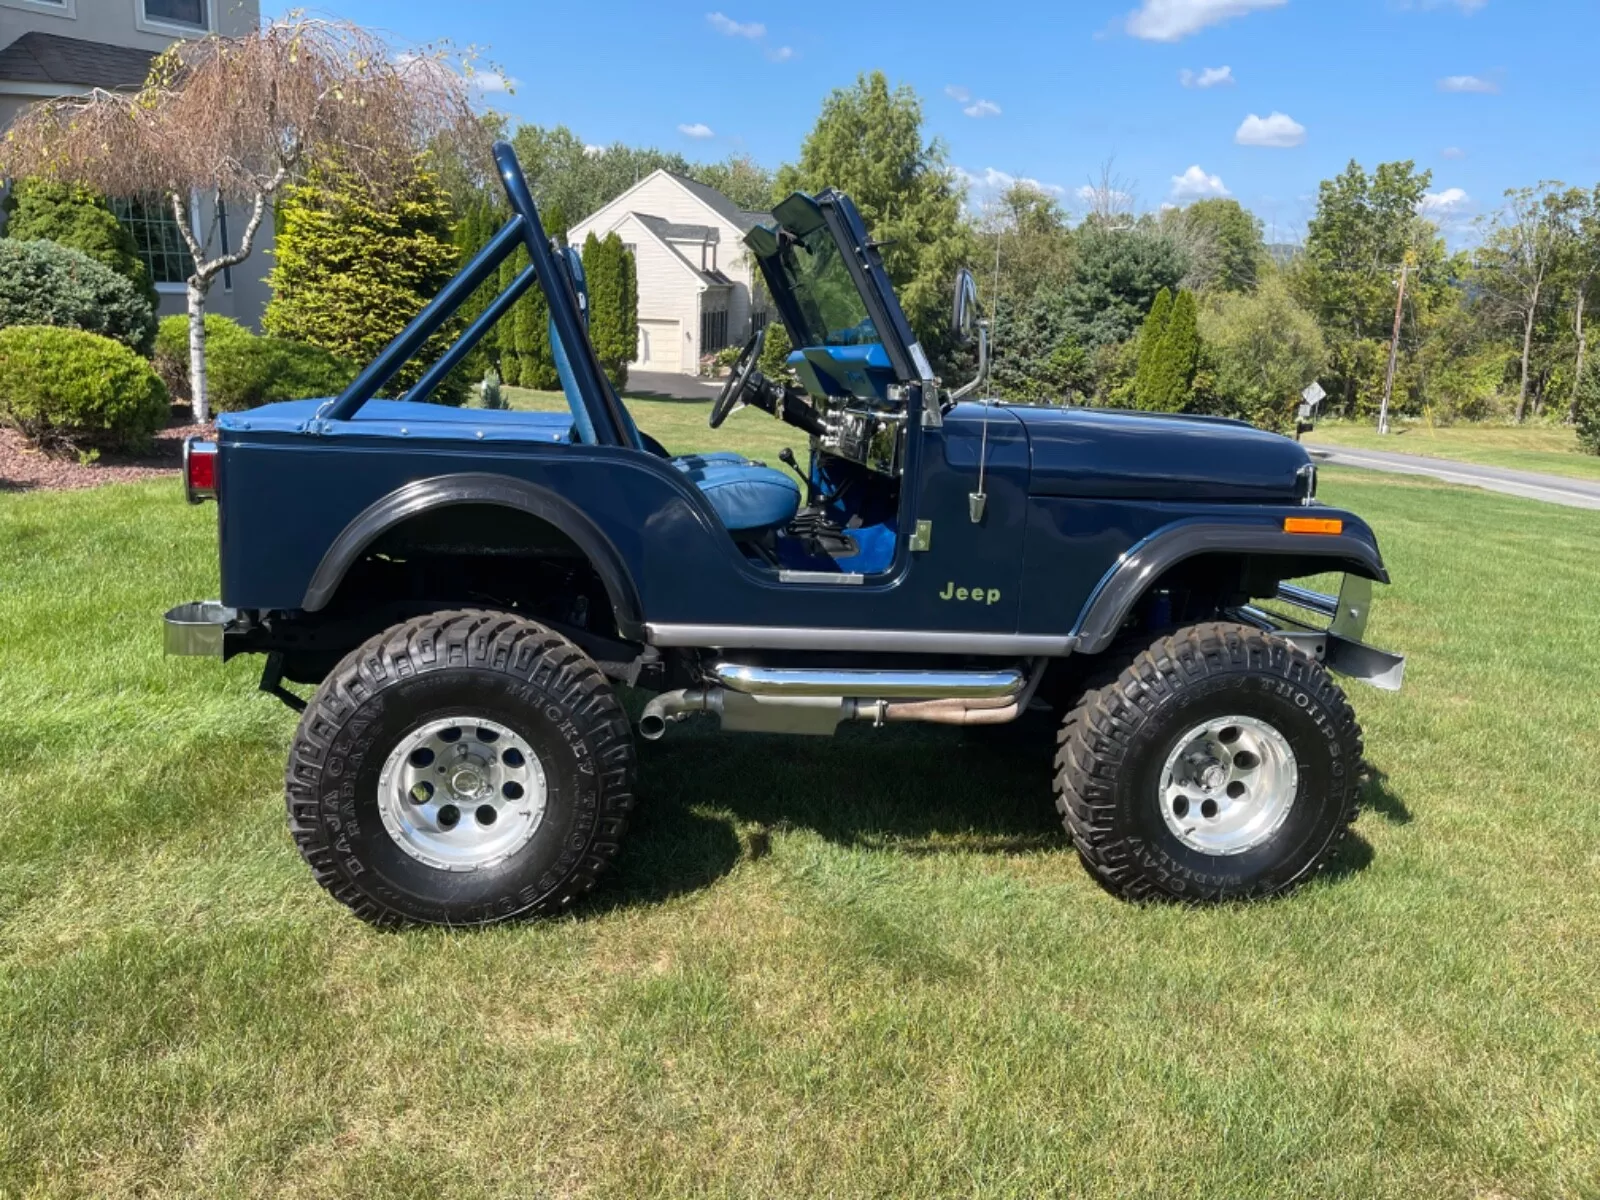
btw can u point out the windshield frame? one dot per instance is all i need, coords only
(860, 258)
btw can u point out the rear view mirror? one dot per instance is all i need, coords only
(964, 315)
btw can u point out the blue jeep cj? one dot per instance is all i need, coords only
(464, 588)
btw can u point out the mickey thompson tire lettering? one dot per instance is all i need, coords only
(1113, 746)
(474, 664)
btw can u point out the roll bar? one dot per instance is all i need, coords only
(524, 229)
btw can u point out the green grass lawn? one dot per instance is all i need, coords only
(917, 992)
(680, 425)
(1552, 449)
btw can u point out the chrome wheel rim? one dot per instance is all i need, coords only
(1229, 785)
(462, 793)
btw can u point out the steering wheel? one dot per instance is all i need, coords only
(732, 397)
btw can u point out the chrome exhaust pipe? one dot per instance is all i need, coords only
(675, 706)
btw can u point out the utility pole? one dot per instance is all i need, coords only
(1394, 346)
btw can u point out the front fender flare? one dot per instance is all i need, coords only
(1116, 594)
(443, 491)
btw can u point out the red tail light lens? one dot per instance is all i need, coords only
(199, 470)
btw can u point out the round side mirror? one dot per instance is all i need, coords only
(964, 315)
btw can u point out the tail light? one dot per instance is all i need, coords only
(199, 470)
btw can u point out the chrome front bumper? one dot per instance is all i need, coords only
(197, 628)
(1339, 646)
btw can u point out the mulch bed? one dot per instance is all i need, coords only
(25, 469)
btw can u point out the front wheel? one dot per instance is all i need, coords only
(461, 769)
(1221, 764)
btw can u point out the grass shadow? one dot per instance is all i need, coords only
(1377, 797)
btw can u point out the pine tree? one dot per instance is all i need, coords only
(352, 271)
(1176, 360)
(476, 226)
(612, 305)
(80, 219)
(1155, 327)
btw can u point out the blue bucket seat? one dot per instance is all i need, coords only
(749, 497)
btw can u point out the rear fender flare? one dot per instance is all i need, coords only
(444, 491)
(1122, 587)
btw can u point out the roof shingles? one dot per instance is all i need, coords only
(50, 58)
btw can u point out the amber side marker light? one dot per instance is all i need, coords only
(1322, 525)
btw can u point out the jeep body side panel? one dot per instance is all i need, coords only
(288, 498)
(1088, 561)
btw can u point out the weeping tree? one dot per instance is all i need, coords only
(239, 120)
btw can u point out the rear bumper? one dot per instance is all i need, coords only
(197, 629)
(1339, 646)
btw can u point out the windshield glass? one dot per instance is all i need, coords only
(820, 282)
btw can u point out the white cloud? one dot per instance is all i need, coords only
(1469, 83)
(1208, 77)
(1195, 184)
(1278, 131)
(1094, 197)
(957, 93)
(1173, 20)
(493, 81)
(781, 53)
(1447, 203)
(1453, 153)
(991, 179)
(982, 108)
(697, 130)
(728, 26)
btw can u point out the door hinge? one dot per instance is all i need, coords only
(922, 539)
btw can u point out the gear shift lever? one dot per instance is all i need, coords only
(786, 457)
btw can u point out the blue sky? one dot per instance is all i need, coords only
(1489, 94)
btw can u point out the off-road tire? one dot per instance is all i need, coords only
(1113, 746)
(494, 665)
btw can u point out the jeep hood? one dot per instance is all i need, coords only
(1105, 453)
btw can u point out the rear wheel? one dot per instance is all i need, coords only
(465, 768)
(1220, 764)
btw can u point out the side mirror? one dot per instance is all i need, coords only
(964, 315)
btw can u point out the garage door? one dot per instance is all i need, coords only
(660, 346)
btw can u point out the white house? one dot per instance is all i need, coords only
(697, 285)
(52, 48)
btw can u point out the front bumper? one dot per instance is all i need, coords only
(1339, 646)
(197, 628)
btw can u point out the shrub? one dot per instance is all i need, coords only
(251, 371)
(353, 271)
(774, 363)
(490, 393)
(171, 359)
(1588, 411)
(82, 220)
(1264, 349)
(42, 283)
(1169, 357)
(62, 385)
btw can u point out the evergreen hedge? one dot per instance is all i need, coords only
(352, 271)
(42, 209)
(64, 385)
(1169, 355)
(613, 305)
(171, 357)
(246, 371)
(43, 283)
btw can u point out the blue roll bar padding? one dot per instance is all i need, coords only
(439, 310)
(474, 334)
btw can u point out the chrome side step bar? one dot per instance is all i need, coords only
(853, 684)
(755, 699)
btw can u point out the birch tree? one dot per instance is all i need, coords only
(240, 119)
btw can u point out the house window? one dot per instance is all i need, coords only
(191, 14)
(158, 239)
(713, 331)
(54, 8)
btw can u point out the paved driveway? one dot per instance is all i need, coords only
(671, 386)
(1552, 489)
